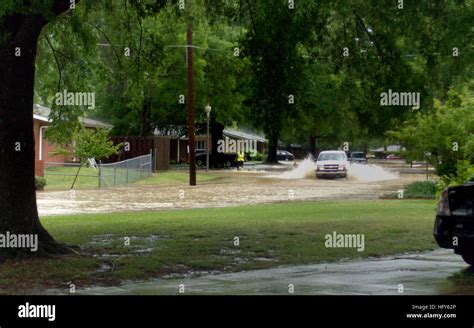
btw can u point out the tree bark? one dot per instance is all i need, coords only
(312, 145)
(146, 128)
(272, 149)
(19, 214)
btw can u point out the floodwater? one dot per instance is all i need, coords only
(359, 172)
(421, 273)
(409, 274)
(233, 188)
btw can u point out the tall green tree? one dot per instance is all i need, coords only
(349, 52)
(365, 48)
(21, 23)
(273, 45)
(135, 62)
(444, 137)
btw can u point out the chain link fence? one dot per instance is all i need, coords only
(124, 172)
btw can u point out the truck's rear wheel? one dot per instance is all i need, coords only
(468, 257)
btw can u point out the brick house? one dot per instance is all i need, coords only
(179, 150)
(43, 148)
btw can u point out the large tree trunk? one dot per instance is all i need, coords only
(18, 212)
(272, 149)
(312, 145)
(145, 128)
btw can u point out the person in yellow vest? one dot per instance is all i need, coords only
(240, 160)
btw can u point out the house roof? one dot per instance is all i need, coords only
(228, 132)
(389, 148)
(42, 113)
(233, 133)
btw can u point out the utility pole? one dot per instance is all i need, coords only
(191, 130)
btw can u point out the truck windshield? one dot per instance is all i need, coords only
(331, 157)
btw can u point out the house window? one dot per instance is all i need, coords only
(200, 144)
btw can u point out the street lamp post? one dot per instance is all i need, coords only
(208, 114)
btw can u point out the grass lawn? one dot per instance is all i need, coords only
(87, 179)
(84, 181)
(187, 241)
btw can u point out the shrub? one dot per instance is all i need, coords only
(464, 173)
(418, 189)
(40, 182)
(258, 157)
(421, 189)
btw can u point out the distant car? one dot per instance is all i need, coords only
(357, 157)
(454, 224)
(332, 164)
(283, 155)
(393, 157)
(217, 160)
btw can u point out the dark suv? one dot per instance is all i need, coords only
(217, 160)
(454, 225)
(357, 157)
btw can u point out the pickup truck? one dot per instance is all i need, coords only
(454, 224)
(332, 164)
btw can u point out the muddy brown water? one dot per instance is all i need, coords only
(231, 189)
(424, 273)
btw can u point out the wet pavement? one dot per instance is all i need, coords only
(422, 273)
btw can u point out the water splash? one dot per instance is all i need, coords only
(369, 172)
(360, 172)
(305, 169)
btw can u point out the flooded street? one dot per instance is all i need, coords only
(419, 274)
(413, 274)
(230, 189)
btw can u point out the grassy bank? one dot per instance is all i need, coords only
(190, 241)
(417, 190)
